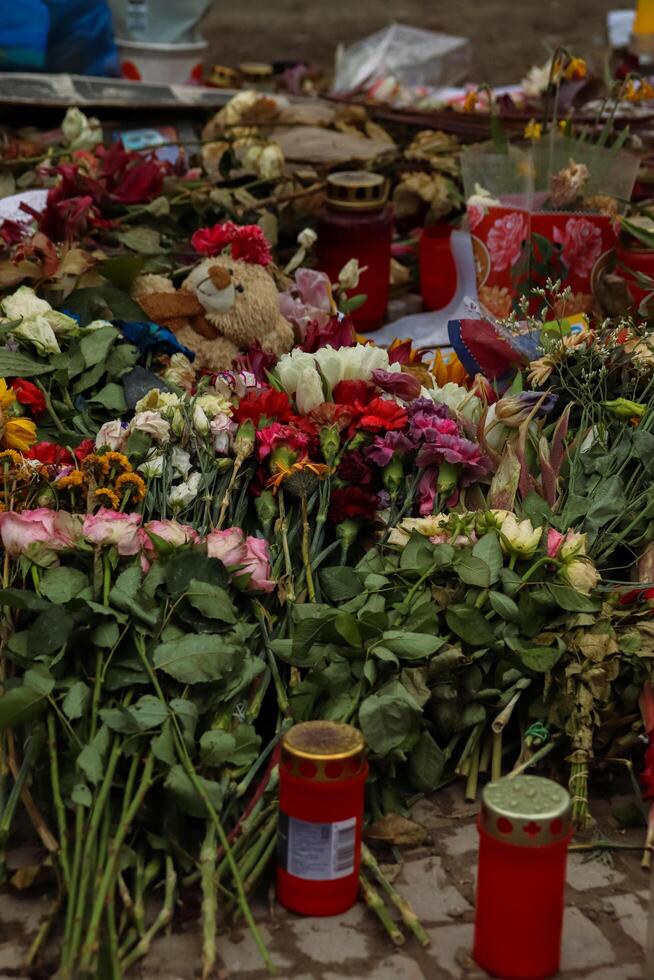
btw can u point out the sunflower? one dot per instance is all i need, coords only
(116, 461)
(15, 433)
(107, 497)
(300, 477)
(72, 481)
(11, 457)
(133, 483)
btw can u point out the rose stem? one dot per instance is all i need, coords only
(74, 882)
(409, 917)
(473, 774)
(209, 900)
(484, 760)
(261, 864)
(112, 937)
(376, 904)
(34, 745)
(496, 756)
(283, 530)
(127, 817)
(282, 698)
(42, 934)
(533, 759)
(162, 920)
(305, 549)
(200, 790)
(58, 801)
(259, 845)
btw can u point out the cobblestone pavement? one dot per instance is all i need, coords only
(604, 930)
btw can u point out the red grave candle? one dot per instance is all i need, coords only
(357, 223)
(524, 830)
(322, 774)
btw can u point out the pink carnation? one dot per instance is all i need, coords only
(109, 529)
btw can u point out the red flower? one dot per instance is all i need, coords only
(264, 403)
(382, 415)
(248, 242)
(256, 360)
(49, 453)
(354, 393)
(84, 449)
(351, 502)
(28, 394)
(354, 469)
(13, 232)
(273, 436)
(143, 181)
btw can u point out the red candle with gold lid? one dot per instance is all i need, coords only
(524, 829)
(357, 223)
(322, 774)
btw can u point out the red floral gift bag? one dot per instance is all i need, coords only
(498, 195)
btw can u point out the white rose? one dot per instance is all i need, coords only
(37, 331)
(112, 434)
(24, 303)
(153, 425)
(184, 493)
(309, 392)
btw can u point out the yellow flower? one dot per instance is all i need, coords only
(470, 101)
(73, 481)
(11, 456)
(117, 461)
(526, 168)
(133, 482)
(563, 125)
(302, 466)
(447, 369)
(637, 90)
(576, 68)
(107, 498)
(15, 433)
(533, 130)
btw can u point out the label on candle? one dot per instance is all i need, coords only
(316, 851)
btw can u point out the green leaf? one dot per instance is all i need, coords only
(216, 747)
(19, 705)
(472, 571)
(347, 627)
(141, 239)
(122, 270)
(540, 659)
(340, 583)
(488, 549)
(39, 679)
(179, 785)
(106, 635)
(248, 745)
(470, 624)
(111, 397)
(195, 659)
(189, 565)
(388, 720)
(96, 345)
(90, 762)
(149, 712)
(426, 764)
(569, 599)
(211, 600)
(504, 606)
(22, 599)
(81, 795)
(163, 745)
(14, 364)
(102, 303)
(187, 712)
(76, 700)
(49, 632)
(411, 646)
(61, 584)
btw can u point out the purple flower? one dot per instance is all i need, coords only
(404, 386)
(383, 448)
(442, 447)
(429, 408)
(427, 491)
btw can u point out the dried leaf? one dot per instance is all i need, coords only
(395, 829)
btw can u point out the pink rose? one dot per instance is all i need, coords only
(172, 532)
(476, 215)
(21, 532)
(554, 541)
(582, 245)
(228, 546)
(505, 240)
(120, 531)
(257, 565)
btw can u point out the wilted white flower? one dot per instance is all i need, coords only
(348, 277)
(23, 304)
(457, 398)
(180, 461)
(185, 493)
(519, 538)
(222, 429)
(37, 331)
(271, 162)
(307, 238)
(180, 372)
(152, 424)
(152, 465)
(581, 574)
(112, 434)
(80, 132)
(156, 400)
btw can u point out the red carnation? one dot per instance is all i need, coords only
(49, 453)
(382, 415)
(351, 502)
(28, 394)
(248, 242)
(354, 393)
(264, 403)
(85, 447)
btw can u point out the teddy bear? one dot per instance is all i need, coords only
(227, 303)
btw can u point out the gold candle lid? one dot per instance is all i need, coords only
(527, 811)
(358, 190)
(256, 70)
(323, 750)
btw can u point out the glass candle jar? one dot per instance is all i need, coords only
(357, 223)
(322, 774)
(524, 832)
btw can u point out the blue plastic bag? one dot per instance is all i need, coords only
(23, 35)
(81, 38)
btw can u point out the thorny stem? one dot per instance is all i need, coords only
(305, 549)
(288, 564)
(58, 801)
(162, 920)
(409, 917)
(375, 903)
(209, 903)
